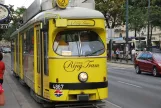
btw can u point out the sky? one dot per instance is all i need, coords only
(19, 3)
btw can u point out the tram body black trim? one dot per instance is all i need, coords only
(80, 86)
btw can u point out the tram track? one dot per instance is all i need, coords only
(100, 104)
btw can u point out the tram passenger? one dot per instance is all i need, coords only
(85, 44)
(60, 45)
(2, 68)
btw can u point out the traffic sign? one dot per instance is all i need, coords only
(4, 26)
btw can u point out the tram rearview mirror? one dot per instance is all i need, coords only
(61, 22)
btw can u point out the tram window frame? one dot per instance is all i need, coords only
(93, 37)
(31, 35)
(46, 68)
(37, 39)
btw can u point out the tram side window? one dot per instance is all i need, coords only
(31, 49)
(24, 44)
(29, 41)
(78, 43)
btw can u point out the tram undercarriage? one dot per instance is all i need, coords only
(79, 104)
(90, 104)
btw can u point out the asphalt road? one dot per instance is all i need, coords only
(126, 88)
(26, 92)
(130, 90)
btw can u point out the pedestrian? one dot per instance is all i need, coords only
(133, 54)
(2, 68)
(144, 50)
(117, 54)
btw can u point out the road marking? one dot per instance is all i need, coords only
(129, 84)
(117, 68)
(113, 104)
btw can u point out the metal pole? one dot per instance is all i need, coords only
(148, 37)
(127, 29)
(111, 42)
(127, 20)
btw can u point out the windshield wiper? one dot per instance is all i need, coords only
(94, 52)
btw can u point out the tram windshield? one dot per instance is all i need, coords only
(78, 43)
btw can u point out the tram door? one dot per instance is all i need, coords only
(40, 62)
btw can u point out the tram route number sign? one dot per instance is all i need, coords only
(3, 26)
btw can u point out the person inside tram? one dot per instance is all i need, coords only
(60, 45)
(85, 44)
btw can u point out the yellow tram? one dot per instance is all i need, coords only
(61, 55)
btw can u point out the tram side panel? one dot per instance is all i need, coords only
(13, 53)
(16, 55)
(28, 62)
(20, 58)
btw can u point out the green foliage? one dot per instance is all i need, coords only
(1, 33)
(113, 11)
(155, 16)
(137, 18)
(138, 14)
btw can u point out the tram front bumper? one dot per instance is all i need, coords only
(79, 95)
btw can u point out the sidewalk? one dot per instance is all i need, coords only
(13, 97)
(121, 62)
(10, 99)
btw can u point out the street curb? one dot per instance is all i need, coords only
(18, 95)
(120, 63)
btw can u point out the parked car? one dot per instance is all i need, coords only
(6, 50)
(148, 62)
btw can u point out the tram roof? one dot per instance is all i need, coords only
(68, 13)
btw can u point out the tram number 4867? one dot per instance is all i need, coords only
(3, 26)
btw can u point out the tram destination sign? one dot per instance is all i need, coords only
(81, 23)
(4, 12)
(3, 26)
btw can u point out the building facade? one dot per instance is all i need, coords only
(121, 32)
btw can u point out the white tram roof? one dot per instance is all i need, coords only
(68, 13)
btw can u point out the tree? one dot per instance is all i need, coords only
(112, 10)
(154, 14)
(137, 18)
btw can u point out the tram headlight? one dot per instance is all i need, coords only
(83, 77)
